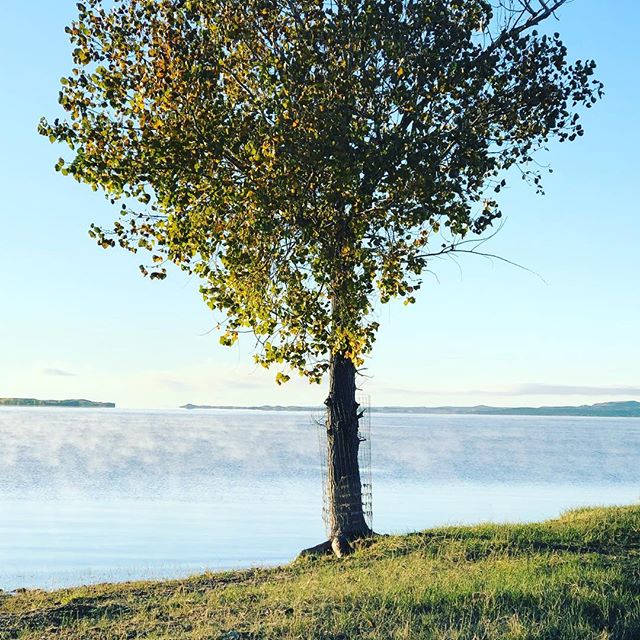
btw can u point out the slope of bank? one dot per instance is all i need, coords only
(577, 577)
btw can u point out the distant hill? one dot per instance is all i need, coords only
(32, 402)
(629, 409)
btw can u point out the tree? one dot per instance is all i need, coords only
(306, 158)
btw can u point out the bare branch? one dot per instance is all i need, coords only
(536, 17)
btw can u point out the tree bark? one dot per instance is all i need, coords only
(344, 486)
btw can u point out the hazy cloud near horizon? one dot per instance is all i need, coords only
(53, 371)
(534, 389)
(174, 385)
(244, 384)
(527, 389)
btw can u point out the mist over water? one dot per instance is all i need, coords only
(94, 495)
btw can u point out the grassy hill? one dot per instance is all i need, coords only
(33, 402)
(577, 577)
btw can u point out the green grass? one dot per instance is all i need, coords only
(577, 577)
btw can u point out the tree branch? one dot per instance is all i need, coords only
(536, 17)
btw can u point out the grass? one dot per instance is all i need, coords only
(577, 577)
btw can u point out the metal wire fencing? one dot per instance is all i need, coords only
(364, 461)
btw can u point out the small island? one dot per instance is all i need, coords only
(33, 402)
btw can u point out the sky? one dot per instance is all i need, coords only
(78, 321)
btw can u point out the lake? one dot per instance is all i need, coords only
(92, 495)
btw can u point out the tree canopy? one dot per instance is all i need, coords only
(306, 158)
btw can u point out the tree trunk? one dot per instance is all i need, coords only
(344, 487)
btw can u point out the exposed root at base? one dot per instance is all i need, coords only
(322, 549)
(338, 545)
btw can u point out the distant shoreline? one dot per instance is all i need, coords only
(33, 402)
(630, 409)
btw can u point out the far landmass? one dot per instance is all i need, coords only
(630, 409)
(32, 402)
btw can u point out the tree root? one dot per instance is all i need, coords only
(339, 546)
(322, 549)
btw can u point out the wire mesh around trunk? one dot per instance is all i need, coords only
(364, 462)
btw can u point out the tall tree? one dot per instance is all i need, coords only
(306, 158)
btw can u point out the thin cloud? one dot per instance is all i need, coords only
(51, 371)
(417, 392)
(528, 389)
(251, 385)
(175, 385)
(182, 384)
(534, 389)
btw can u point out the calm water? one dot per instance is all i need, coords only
(94, 495)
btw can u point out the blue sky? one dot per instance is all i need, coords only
(77, 321)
